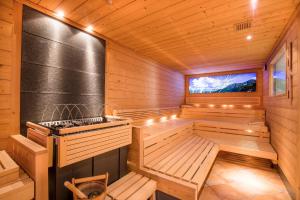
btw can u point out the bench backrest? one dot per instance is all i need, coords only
(223, 114)
(146, 146)
(140, 116)
(217, 129)
(33, 159)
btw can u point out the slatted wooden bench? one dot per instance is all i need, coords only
(172, 155)
(251, 139)
(233, 114)
(140, 116)
(239, 130)
(133, 186)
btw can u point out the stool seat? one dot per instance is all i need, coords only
(133, 186)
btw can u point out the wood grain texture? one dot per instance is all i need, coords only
(9, 171)
(185, 35)
(134, 82)
(22, 188)
(131, 187)
(235, 115)
(282, 114)
(141, 116)
(172, 155)
(33, 159)
(78, 147)
(10, 42)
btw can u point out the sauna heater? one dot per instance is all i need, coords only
(82, 147)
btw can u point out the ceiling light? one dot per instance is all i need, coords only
(254, 4)
(249, 37)
(60, 14)
(173, 116)
(247, 106)
(149, 122)
(163, 119)
(89, 28)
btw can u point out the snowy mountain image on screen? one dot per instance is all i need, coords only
(245, 82)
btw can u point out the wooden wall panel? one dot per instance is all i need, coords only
(282, 114)
(9, 69)
(254, 98)
(135, 82)
(182, 34)
(132, 81)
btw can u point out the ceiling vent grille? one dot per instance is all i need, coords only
(242, 26)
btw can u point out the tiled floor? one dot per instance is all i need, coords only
(229, 181)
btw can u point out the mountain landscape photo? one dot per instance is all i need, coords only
(245, 82)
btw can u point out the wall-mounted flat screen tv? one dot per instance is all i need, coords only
(244, 82)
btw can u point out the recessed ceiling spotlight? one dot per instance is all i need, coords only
(60, 14)
(254, 4)
(89, 28)
(249, 37)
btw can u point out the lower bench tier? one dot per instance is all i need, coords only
(180, 168)
(133, 186)
(179, 154)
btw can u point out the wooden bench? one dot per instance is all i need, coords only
(32, 182)
(133, 186)
(141, 116)
(251, 139)
(236, 129)
(227, 113)
(171, 154)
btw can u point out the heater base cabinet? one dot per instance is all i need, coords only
(114, 162)
(163, 196)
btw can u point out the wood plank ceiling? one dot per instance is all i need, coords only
(188, 35)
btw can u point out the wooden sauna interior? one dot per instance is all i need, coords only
(154, 66)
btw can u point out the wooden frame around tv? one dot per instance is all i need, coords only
(257, 93)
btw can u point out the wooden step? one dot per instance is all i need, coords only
(133, 186)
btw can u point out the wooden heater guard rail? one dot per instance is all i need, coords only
(77, 147)
(33, 159)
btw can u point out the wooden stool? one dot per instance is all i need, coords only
(78, 187)
(133, 186)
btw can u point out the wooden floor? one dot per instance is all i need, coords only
(225, 182)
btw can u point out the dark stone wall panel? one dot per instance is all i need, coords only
(34, 111)
(47, 52)
(37, 24)
(59, 80)
(60, 65)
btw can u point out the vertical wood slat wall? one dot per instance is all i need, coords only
(134, 82)
(282, 114)
(10, 42)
